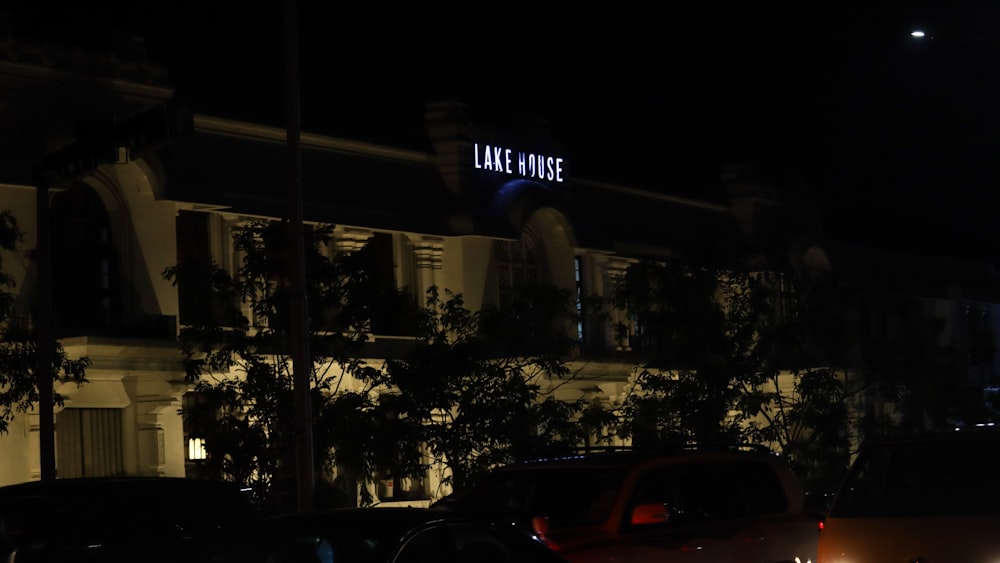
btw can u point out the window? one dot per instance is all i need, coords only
(698, 493)
(196, 449)
(981, 342)
(392, 487)
(570, 496)
(578, 275)
(515, 270)
(89, 443)
(85, 286)
(196, 414)
(194, 255)
(393, 310)
(933, 478)
(785, 307)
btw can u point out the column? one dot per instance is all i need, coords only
(159, 437)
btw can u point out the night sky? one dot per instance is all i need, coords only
(833, 102)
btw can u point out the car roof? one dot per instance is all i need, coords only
(398, 518)
(360, 516)
(979, 432)
(105, 485)
(166, 491)
(624, 458)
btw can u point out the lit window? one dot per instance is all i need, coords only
(196, 448)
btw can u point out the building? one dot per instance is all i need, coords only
(136, 182)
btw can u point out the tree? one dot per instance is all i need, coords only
(469, 390)
(695, 331)
(910, 374)
(239, 358)
(724, 363)
(479, 382)
(18, 349)
(809, 364)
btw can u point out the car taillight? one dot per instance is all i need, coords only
(540, 524)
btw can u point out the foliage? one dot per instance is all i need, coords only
(474, 382)
(18, 349)
(468, 391)
(726, 364)
(811, 365)
(698, 330)
(240, 358)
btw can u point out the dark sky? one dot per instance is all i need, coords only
(833, 100)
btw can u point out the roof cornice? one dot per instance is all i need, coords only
(35, 72)
(683, 201)
(252, 131)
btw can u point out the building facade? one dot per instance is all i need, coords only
(136, 183)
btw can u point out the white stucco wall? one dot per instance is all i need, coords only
(145, 234)
(20, 200)
(465, 268)
(15, 445)
(16, 452)
(142, 379)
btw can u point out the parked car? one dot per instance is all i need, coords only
(155, 519)
(385, 535)
(928, 497)
(716, 505)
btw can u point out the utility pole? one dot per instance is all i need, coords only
(43, 329)
(301, 365)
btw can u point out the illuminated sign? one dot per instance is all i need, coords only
(528, 165)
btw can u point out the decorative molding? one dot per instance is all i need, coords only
(350, 240)
(428, 252)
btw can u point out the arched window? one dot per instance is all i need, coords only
(85, 298)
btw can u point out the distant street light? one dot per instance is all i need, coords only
(953, 38)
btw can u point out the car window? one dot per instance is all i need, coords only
(475, 544)
(710, 492)
(927, 479)
(567, 496)
(431, 543)
(28, 519)
(307, 549)
(493, 544)
(347, 541)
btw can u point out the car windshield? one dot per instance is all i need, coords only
(567, 496)
(928, 479)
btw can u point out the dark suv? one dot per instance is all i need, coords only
(723, 505)
(118, 519)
